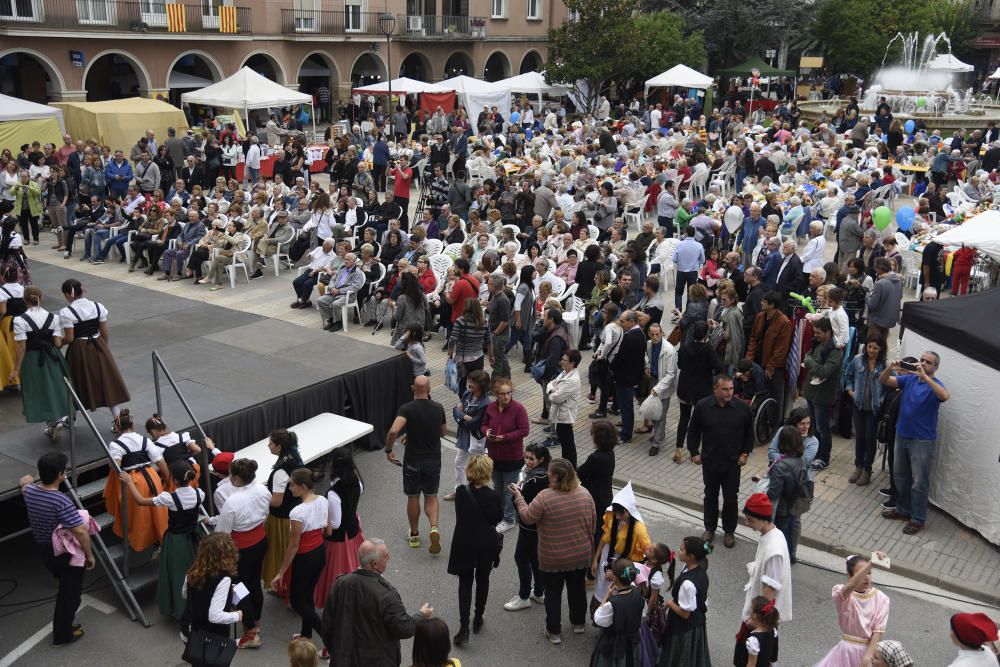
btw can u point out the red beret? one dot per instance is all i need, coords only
(222, 461)
(759, 505)
(974, 629)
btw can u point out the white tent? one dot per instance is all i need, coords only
(184, 80)
(680, 76)
(533, 83)
(996, 74)
(403, 86)
(22, 122)
(981, 232)
(247, 90)
(945, 62)
(474, 94)
(463, 84)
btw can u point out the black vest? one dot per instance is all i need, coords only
(15, 304)
(199, 599)
(175, 452)
(621, 639)
(698, 577)
(86, 328)
(181, 521)
(288, 500)
(39, 339)
(350, 494)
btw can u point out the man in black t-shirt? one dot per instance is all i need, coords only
(424, 422)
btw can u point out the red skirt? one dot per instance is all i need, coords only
(341, 558)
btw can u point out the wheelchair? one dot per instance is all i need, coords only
(765, 417)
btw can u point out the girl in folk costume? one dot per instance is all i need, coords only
(345, 537)
(181, 539)
(285, 446)
(685, 643)
(176, 446)
(305, 556)
(208, 588)
(862, 613)
(12, 251)
(243, 516)
(37, 339)
(11, 305)
(650, 582)
(760, 648)
(771, 572)
(142, 462)
(95, 374)
(619, 615)
(624, 536)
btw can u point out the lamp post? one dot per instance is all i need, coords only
(387, 25)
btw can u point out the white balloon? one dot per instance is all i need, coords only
(733, 218)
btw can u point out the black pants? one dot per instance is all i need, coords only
(72, 230)
(306, 569)
(228, 171)
(68, 598)
(481, 575)
(684, 279)
(29, 226)
(154, 250)
(404, 219)
(379, 176)
(729, 481)
(197, 256)
(576, 595)
(564, 432)
(248, 570)
(682, 422)
(458, 169)
(526, 559)
(776, 387)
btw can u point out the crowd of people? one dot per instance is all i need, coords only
(563, 236)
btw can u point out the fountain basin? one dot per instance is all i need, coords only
(945, 124)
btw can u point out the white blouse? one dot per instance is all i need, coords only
(246, 508)
(86, 309)
(132, 442)
(189, 496)
(312, 515)
(38, 315)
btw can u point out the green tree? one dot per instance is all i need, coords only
(596, 48)
(665, 44)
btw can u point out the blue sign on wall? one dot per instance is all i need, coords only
(76, 58)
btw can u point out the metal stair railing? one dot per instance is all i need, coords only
(118, 577)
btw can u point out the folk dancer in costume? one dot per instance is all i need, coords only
(862, 613)
(624, 536)
(136, 455)
(177, 446)
(685, 642)
(346, 535)
(96, 377)
(181, 539)
(41, 368)
(285, 446)
(11, 305)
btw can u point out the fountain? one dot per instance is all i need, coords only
(914, 90)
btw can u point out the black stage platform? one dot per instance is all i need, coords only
(242, 374)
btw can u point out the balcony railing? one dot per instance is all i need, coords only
(299, 21)
(115, 15)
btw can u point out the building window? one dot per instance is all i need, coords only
(93, 11)
(534, 10)
(499, 9)
(352, 16)
(574, 16)
(306, 15)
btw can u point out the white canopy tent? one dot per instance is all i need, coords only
(403, 86)
(474, 94)
(532, 82)
(246, 89)
(680, 76)
(981, 232)
(996, 74)
(945, 62)
(22, 122)
(184, 80)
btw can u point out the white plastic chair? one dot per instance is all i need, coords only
(494, 241)
(634, 214)
(282, 252)
(558, 284)
(573, 315)
(433, 246)
(453, 250)
(594, 233)
(240, 259)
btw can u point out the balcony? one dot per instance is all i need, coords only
(114, 16)
(347, 23)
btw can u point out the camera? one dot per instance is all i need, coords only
(908, 366)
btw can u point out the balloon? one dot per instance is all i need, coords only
(806, 301)
(881, 217)
(909, 126)
(921, 102)
(905, 217)
(733, 218)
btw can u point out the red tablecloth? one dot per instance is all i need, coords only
(267, 167)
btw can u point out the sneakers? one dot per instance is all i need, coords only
(887, 492)
(435, 547)
(591, 398)
(599, 414)
(817, 465)
(449, 497)
(256, 274)
(250, 639)
(553, 638)
(504, 526)
(889, 504)
(516, 604)
(413, 541)
(538, 599)
(579, 629)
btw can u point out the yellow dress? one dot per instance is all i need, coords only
(8, 352)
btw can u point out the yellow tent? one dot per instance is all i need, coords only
(120, 123)
(22, 122)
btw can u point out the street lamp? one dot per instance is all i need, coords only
(387, 25)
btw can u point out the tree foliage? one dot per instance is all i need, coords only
(665, 44)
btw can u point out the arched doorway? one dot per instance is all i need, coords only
(114, 75)
(497, 67)
(316, 73)
(458, 64)
(367, 70)
(30, 77)
(191, 71)
(265, 66)
(416, 66)
(532, 62)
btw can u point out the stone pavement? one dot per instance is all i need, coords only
(845, 519)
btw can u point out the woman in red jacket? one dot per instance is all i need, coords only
(961, 269)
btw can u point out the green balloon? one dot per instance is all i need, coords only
(881, 217)
(921, 102)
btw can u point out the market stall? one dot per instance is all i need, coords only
(765, 71)
(22, 122)
(402, 86)
(532, 83)
(967, 461)
(682, 76)
(474, 94)
(120, 123)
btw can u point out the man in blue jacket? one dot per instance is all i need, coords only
(118, 174)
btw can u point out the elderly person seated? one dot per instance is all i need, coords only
(150, 228)
(279, 233)
(172, 261)
(347, 279)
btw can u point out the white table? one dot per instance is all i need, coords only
(318, 436)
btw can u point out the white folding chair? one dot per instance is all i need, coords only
(282, 253)
(433, 246)
(634, 214)
(453, 250)
(240, 259)
(573, 314)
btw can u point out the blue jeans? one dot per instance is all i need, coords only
(864, 438)
(253, 174)
(522, 336)
(625, 397)
(116, 240)
(820, 415)
(94, 239)
(912, 473)
(500, 481)
(791, 527)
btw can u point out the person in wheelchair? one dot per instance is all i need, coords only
(750, 386)
(748, 380)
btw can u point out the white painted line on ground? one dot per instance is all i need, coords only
(31, 642)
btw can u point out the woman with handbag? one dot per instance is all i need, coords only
(207, 588)
(564, 394)
(475, 548)
(468, 415)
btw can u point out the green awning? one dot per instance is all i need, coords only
(744, 69)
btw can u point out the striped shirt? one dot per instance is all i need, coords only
(565, 523)
(46, 510)
(467, 341)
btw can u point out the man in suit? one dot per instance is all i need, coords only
(74, 161)
(460, 148)
(627, 368)
(790, 277)
(192, 174)
(175, 149)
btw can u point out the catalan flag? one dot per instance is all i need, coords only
(176, 17)
(227, 19)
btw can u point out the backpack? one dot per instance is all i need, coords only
(803, 493)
